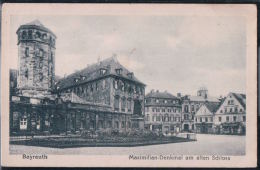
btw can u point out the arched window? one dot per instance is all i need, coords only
(44, 36)
(30, 34)
(24, 35)
(116, 103)
(123, 104)
(37, 34)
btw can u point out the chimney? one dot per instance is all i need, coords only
(157, 91)
(178, 94)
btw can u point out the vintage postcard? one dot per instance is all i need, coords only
(129, 85)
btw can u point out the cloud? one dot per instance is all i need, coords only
(129, 63)
(173, 53)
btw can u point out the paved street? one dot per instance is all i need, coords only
(205, 145)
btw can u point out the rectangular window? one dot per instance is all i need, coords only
(200, 119)
(186, 109)
(219, 119)
(163, 110)
(206, 119)
(244, 118)
(154, 118)
(123, 104)
(234, 118)
(153, 110)
(211, 119)
(227, 118)
(38, 123)
(192, 108)
(116, 103)
(23, 123)
(129, 103)
(123, 124)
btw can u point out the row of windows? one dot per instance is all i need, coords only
(161, 101)
(24, 123)
(102, 84)
(104, 71)
(117, 124)
(193, 109)
(29, 35)
(174, 110)
(204, 119)
(123, 86)
(210, 119)
(165, 118)
(125, 104)
(187, 117)
(230, 102)
(231, 110)
(229, 117)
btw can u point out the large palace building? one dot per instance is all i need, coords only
(103, 95)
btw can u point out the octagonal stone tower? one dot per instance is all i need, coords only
(36, 53)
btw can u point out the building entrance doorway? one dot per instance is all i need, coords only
(186, 127)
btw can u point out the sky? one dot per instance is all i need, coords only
(172, 53)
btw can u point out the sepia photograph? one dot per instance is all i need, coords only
(148, 85)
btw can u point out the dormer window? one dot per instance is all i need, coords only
(119, 71)
(83, 77)
(76, 80)
(103, 71)
(130, 75)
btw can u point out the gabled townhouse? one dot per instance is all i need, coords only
(191, 104)
(204, 118)
(230, 118)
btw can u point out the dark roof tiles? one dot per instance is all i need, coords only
(158, 94)
(92, 72)
(241, 98)
(213, 107)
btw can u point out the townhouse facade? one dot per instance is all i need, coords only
(204, 118)
(162, 112)
(191, 104)
(230, 118)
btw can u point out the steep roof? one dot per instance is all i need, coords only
(202, 99)
(92, 72)
(241, 98)
(158, 94)
(36, 24)
(213, 107)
